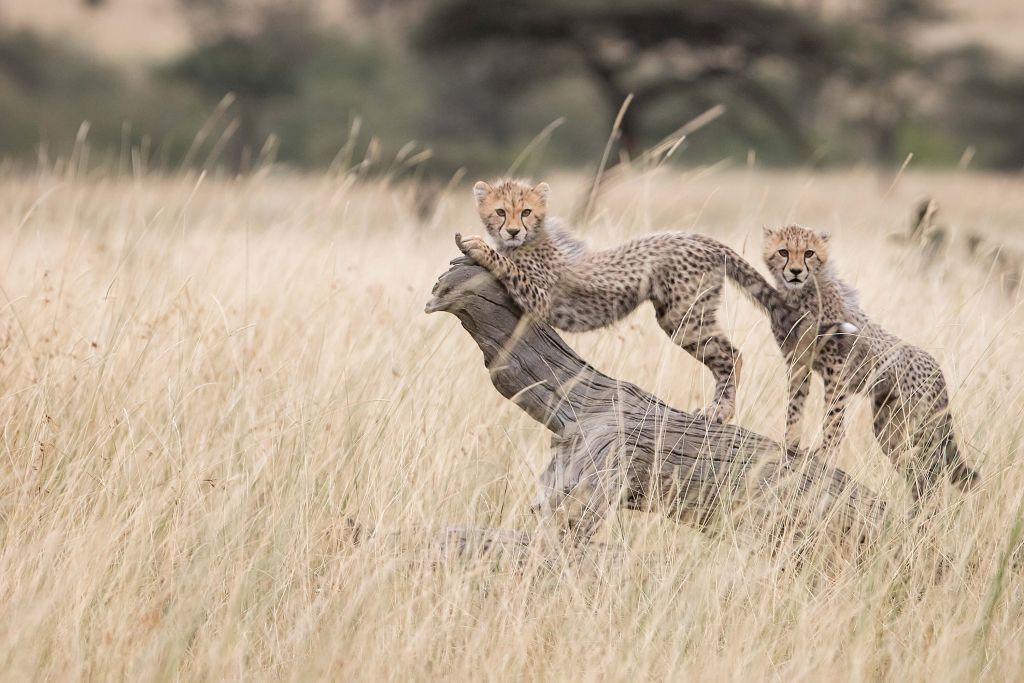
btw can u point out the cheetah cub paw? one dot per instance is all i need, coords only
(474, 247)
(717, 413)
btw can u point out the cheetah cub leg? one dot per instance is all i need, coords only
(696, 331)
(799, 383)
(534, 299)
(477, 249)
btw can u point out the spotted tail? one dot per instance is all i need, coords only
(842, 333)
(752, 282)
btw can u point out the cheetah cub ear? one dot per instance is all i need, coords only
(767, 231)
(480, 191)
(542, 190)
(824, 236)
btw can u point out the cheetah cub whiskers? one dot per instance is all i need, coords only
(554, 277)
(910, 402)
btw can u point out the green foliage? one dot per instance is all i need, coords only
(984, 107)
(339, 85)
(652, 50)
(257, 68)
(47, 90)
(260, 59)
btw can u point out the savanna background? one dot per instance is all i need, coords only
(228, 428)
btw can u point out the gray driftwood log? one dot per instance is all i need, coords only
(616, 445)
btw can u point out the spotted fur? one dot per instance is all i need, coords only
(554, 277)
(910, 402)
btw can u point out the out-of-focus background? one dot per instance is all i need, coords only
(431, 86)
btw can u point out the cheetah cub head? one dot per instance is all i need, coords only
(512, 211)
(794, 254)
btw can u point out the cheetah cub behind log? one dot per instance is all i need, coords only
(554, 277)
(910, 402)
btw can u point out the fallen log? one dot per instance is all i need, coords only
(616, 445)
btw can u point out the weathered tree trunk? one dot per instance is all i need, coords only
(614, 444)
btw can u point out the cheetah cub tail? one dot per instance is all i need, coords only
(834, 329)
(840, 332)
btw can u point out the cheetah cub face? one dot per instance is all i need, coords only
(794, 254)
(512, 211)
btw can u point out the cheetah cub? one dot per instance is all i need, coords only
(910, 402)
(554, 277)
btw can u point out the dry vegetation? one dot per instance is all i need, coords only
(203, 380)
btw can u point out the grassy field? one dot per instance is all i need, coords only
(202, 380)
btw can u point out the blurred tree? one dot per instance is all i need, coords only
(256, 50)
(983, 105)
(797, 77)
(890, 72)
(652, 48)
(48, 89)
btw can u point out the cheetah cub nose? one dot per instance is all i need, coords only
(796, 271)
(512, 231)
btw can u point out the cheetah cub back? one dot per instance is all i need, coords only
(555, 278)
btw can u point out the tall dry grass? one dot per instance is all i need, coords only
(202, 380)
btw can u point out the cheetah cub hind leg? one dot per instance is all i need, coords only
(695, 329)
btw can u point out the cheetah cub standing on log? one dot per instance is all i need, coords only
(554, 277)
(910, 402)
